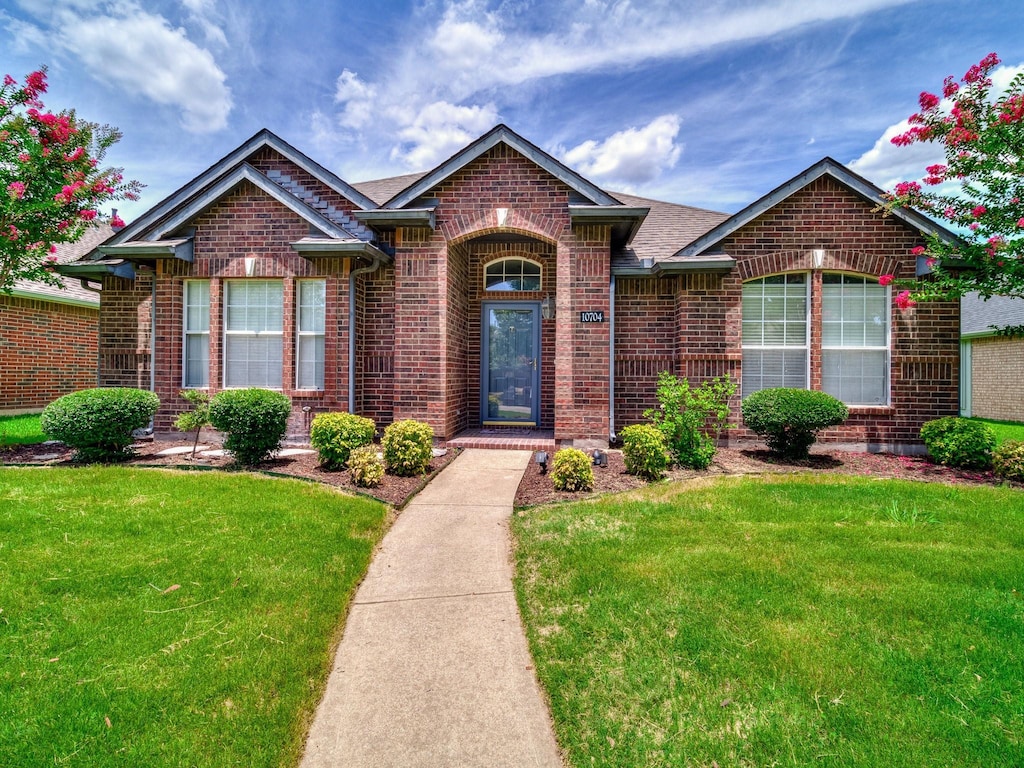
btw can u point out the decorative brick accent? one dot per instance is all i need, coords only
(47, 349)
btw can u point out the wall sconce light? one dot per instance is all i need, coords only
(542, 459)
(250, 266)
(547, 308)
(600, 458)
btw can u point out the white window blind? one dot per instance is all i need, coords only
(253, 327)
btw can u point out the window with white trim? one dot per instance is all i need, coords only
(310, 325)
(775, 332)
(196, 346)
(512, 275)
(854, 339)
(253, 328)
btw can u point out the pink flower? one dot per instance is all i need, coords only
(116, 222)
(903, 300)
(36, 82)
(16, 189)
(8, 80)
(1020, 222)
(905, 188)
(973, 226)
(917, 250)
(931, 261)
(87, 215)
(949, 212)
(949, 87)
(51, 258)
(928, 100)
(72, 156)
(24, 157)
(884, 280)
(978, 210)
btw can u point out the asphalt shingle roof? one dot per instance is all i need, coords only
(978, 315)
(66, 253)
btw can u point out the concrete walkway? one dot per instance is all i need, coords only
(433, 668)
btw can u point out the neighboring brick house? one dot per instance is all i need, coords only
(48, 341)
(499, 288)
(992, 378)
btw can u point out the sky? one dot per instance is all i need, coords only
(711, 103)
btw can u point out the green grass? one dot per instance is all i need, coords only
(1005, 430)
(792, 621)
(20, 430)
(153, 618)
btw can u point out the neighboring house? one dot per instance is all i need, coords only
(504, 289)
(992, 374)
(48, 335)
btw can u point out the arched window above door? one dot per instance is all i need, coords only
(512, 275)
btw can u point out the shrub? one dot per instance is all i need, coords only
(408, 447)
(197, 418)
(1008, 461)
(958, 442)
(571, 470)
(365, 467)
(336, 435)
(643, 449)
(254, 420)
(691, 419)
(98, 423)
(789, 419)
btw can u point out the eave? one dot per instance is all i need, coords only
(313, 247)
(386, 218)
(97, 269)
(175, 248)
(625, 220)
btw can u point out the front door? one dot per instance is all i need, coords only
(510, 376)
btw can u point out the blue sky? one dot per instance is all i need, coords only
(706, 103)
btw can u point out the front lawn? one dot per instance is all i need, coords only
(1005, 430)
(153, 618)
(792, 620)
(20, 430)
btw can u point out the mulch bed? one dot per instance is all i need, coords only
(536, 488)
(395, 491)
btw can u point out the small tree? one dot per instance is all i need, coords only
(982, 136)
(691, 418)
(197, 418)
(51, 182)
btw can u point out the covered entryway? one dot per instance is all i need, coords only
(511, 361)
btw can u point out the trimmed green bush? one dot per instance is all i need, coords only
(408, 447)
(789, 419)
(98, 423)
(691, 418)
(255, 421)
(958, 442)
(1008, 461)
(336, 435)
(643, 449)
(571, 470)
(365, 467)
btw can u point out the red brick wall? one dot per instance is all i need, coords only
(708, 314)
(125, 331)
(375, 337)
(47, 349)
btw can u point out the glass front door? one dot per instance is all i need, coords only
(511, 364)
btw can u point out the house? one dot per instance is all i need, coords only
(48, 334)
(992, 376)
(503, 289)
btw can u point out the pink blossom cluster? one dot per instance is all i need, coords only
(16, 189)
(1012, 109)
(903, 300)
(67, 194)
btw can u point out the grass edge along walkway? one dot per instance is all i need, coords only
(790, 620)
(161, 618)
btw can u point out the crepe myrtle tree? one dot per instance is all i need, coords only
(978, 191)
(51, 181)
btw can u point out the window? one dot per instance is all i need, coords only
(854, 336)
(310, 321)
(253, 324)
(854, 339)
(512, 275)
(775, 338)
(196, 362)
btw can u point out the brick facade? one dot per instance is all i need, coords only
(47, 349)
(997, 378)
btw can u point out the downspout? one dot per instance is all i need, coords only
(352, 328)
(611, 361)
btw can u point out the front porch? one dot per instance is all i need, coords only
(505, 438)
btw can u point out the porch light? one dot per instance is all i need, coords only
(541, 458)
(600, 458)
(547, 308)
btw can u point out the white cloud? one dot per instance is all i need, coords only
(203, 13)
(439, 130)
(358, 99)
(143, 55)
(633, 156)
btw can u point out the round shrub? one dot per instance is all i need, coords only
(408, 447)
(254, 420)
(571, 470)
(365, 467)
(958, 442)
(1008, 461)
(336, 435)
(789, 419)
(98, 423)
(644, 451)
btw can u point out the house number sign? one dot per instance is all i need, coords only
(591, 317)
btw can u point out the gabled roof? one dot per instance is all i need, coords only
(501, 134)
(824, 167)
(201, 184)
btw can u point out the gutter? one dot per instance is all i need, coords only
(611, 361)
(378, 258)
